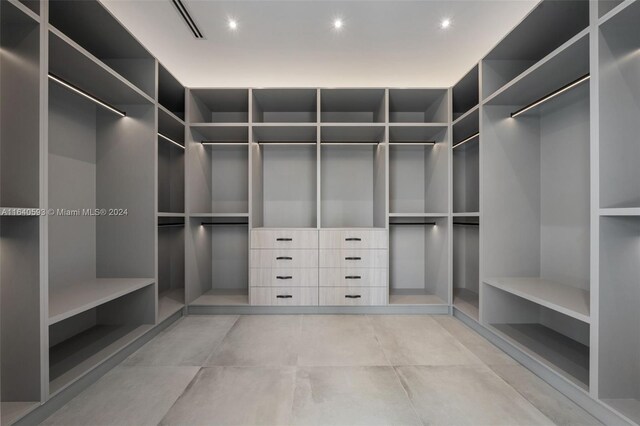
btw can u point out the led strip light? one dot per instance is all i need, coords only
(86, 95)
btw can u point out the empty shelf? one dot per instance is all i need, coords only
(221, 298)
(352, 134)
(631, 211)
(467, 301)
(72, 358)
(170, 302)
(570, 301)
(415, 299)
(70, 300)
(207, 132)
(413, 215)
(13, 411)
(565, 355)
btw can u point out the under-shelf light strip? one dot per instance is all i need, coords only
(551, 95)
(466, 140)
(413, 223)
(86, 95)
(170, 140)
(351, 143)
(285, 143)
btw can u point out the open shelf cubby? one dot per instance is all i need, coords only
(619, 108)
(92, 27)
(466, 163)
(606, 6)
(20, 347)
(418, 261)
(277, 154)
(171, 275)
(19, 108)
(218, 105)
(217, 261)
(171, 169)
(352, 106)
(619, 341)
(559, 341)
(418, 173)
(465, 94)
(466, 264)
(171, 94)
(418, 105)
(543, 30)
(353, 185)
(218, 172)
(285, 106)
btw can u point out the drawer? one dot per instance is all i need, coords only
(284, 296)
(337, 296)
(353, 277)
(356, 238)
(330, 258)
(284, 258)
(284, 238)
(278, 277)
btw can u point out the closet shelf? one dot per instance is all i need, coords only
(622, 211)
(466, 214)
(221, 298)
(170, 114)
(72, 63)
(570, 301)
(466, 115)
(352, 133)
(72, 299)
(565, 64)
(414, 298)
(170, 214)
(613, 12)
(32, 15)
(408, 134)
(287, 133)
(219, 215)
(418, 214)
(221, 134)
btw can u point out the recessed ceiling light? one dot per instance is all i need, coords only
(233, 24)
(446, 23)
(337, 24)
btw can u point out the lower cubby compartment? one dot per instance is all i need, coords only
(418, 261)
(170, 266)
(217, 261)
(82, 342)
(556, 340)
(466, 264)
(619, 339)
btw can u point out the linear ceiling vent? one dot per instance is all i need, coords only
(187, 18)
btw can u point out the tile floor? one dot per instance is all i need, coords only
(320, 370)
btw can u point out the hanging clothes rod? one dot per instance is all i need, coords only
(470, 138)
(551, 95)
(167, 225)
(467, 223)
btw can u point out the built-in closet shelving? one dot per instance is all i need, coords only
(619, 205)
(20, 230)
(536, 209)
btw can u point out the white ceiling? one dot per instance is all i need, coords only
(293, 44)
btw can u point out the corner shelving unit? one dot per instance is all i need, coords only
(536, 211)
(619, 223)
(104, 260)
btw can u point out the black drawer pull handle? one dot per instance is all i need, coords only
(284, 239)
(352, 296)
(353, 239)
(284, 277)
(284, 258)
(353, 258)
(352, 277)
(284, 296)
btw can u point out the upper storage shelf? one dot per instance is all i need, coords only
(170, 93)
(418, 106)
(219, 106)
(285, 106)
(352, 105)
(465, 93)
(547, 27)
(91, 26)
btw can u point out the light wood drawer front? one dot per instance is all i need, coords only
(353, 277)
(353, 239)
(284, 238)
(278, 277)
(338, 296)
(330, 258)
(284, 296)
(284, 258)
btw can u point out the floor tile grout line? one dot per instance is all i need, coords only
(186, 388)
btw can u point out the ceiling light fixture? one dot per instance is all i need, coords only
(233, 24)
(446, 23)
(337, 24)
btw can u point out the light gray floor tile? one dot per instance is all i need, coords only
(552, 403)
(481, 347)
(419, 340)
(466, 395)
(236, 396)
(126, 396)
(260, 340)
(351, 396)
(339, 340)
(189, 342)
